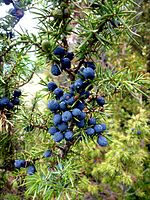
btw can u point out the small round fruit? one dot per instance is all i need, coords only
(90, 131)
(53, 105)
(92, 121)
(66, 116)
(68, 135)
(102, 141)
(16, 101)
(16, 12)
(3, 102)
(66, 13)
(82, 116)
(100, 101)
(59, 51)
(19, 163)
(104, 126)
(19, 13)
(10, 105)
(81, 123)
(76, 112)
(45, 45)
(70, 55)
(90, 64)
(98, 128)
(65, 63)
(57, 119)
(52, 130)
(80, 105)
(63, 126)
(65, 96)
(31, 170)
(63, 5)
(58, 92)
(17, 93)
(69, 28)
(58, 136)
(57, 13)
(70, 101)
(47, 153)
(51, 86)
(78, 84)
(63, 106)
(7, 2)
(55, 70)
(138, 132)
(88, 73)
(85, 94)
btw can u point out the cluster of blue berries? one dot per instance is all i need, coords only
(14, 15)
(9, 104)
(64, 62)
(7, 2)
(70, 108)
(138, 132)
(23, 164)
(17, 12)
(30, 167)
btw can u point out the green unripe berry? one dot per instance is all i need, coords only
(45, 45)
(57, 13)
(63, 5)
(69, 28)
(23, 37)
(66, 12)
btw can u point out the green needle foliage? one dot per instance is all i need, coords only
(97, 31)
(43, 185)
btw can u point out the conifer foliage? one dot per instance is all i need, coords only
(80, 135)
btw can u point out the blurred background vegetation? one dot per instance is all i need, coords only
(113, 34)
